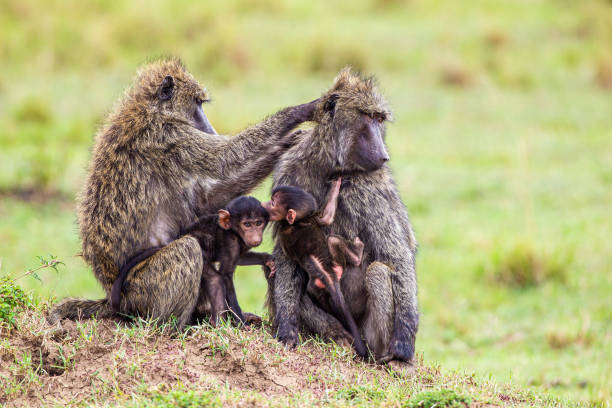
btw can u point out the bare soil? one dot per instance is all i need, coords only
(81, 362)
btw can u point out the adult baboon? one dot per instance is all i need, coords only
(156, 165)
(382, 293)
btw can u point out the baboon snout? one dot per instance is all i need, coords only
(253, 240)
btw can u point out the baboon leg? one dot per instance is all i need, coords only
(167, 284)
(377, 324)
(314, 320)
(215, 290)
(340, 248)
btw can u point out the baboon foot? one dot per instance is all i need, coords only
(289, 337)
(343, 338)
(402, 369)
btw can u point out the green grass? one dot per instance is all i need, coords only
(500, 148)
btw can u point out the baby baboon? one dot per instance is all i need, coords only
(381, 293)
(302, 239)
(227, 238)
(153, 171)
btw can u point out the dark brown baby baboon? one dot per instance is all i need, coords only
(227, 238)
(157, 165)
(381, 293)
(302, 239)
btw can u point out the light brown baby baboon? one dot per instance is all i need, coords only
(382, 292)
(323, 257)
(157, 165)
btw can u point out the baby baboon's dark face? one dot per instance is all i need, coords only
(247, 218)
(276, 208)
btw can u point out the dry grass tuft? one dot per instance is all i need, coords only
(456, 74)
(603, 73)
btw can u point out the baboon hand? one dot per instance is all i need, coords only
(269, 263)
(307, 110)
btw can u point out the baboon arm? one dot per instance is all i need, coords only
(253, 258)
(274, 127)
(286, 294)
(295, 308)
(227, 169)
(329, 211)
(315, 320)
(240, 180)
(402, 217)
(233, 152)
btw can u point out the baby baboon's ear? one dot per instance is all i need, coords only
(224, 219)
(291, 216)
(330, 104)
(166, 88)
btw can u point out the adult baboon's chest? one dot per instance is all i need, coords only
(358, 209)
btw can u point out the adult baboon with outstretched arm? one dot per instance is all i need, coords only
(156, 165)
(381, 293)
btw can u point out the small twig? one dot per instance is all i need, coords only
(53, 263)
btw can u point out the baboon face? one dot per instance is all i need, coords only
(247, 218)
(186, 96)
(360, 136)
(251, 230)
(276, 208)
(352, 116)
(368, 148)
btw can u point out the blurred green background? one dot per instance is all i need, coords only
(501, 147)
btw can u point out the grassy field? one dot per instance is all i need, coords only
(501, 147)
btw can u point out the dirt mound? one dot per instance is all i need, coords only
(112, 362)
(80, 362)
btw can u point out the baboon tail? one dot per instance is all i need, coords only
(79, 309)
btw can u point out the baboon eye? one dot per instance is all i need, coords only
(378, 117)
(258, 223)
(247, 224)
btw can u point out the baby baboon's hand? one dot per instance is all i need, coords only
(269, 263)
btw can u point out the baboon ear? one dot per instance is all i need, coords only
(167, 88)
(224, 219)
(291, 214)
(330, 104)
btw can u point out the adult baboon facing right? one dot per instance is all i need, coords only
(381, 293)
(157, 165)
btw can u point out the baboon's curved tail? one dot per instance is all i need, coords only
(73, 309)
